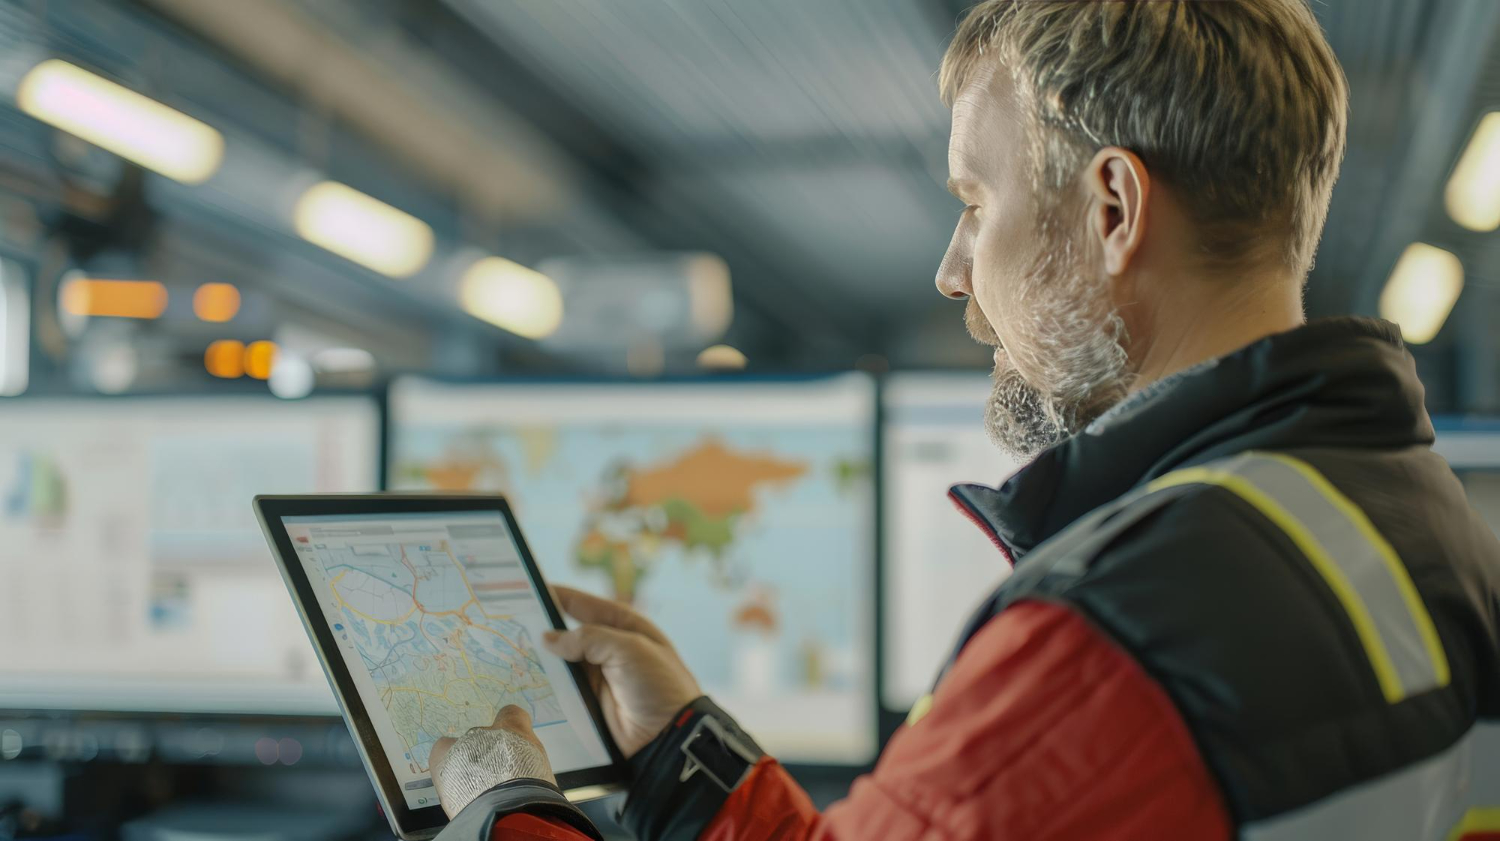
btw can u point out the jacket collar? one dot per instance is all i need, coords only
(1337, 382)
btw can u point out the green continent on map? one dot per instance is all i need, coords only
(697, 529)
(695, 502)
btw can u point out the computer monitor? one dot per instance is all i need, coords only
(135, 576)
(1472, 448)
(938, 565)
(738, 515)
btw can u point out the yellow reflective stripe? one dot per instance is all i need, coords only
(1476, 820)
(1409, 594)
(919, 710)
(1354, 606)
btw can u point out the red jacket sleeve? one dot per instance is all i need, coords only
(523, 827)
(1044, 730)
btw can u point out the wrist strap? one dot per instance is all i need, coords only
(682, 778)
(710, 749)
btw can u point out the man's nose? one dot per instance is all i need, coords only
(953, 274)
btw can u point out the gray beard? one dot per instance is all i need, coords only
(1020, 420)
(1079, 359)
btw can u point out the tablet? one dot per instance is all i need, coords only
(427, 613)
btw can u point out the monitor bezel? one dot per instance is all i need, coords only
(582, 784)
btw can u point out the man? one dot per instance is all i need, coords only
(1249, 601)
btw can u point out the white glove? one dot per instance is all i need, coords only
(485, 757)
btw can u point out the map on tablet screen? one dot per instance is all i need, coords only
(438, 621)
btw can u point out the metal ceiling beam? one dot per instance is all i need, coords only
(766, 280)
(404, 101)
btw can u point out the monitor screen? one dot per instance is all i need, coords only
(738, 516)
(137, 576)
(938, 565)
(1472, 448)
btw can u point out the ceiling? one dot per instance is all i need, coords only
(805, 143)
(813, 132)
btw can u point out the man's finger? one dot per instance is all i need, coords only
(438, 754)
(596, 644)
(518, 720)
(592, 610)
(512, 717)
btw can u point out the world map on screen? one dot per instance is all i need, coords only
(740, 542)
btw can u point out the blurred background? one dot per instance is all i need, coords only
(548, 248)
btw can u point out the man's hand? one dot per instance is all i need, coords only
(640, 680)
(466, 767)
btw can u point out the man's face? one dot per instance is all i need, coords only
(1027, 269)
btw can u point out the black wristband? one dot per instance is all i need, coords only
(529, 796)
(681, 779)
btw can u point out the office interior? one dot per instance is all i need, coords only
(546, 248)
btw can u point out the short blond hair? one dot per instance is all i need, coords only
(1239, 106)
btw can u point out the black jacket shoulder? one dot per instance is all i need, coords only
(1209, 586)
(1228, 615)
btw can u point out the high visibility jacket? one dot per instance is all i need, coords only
(1249, 602)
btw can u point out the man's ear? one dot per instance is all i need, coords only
(1120, 186)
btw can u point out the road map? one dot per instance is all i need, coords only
(440, 617)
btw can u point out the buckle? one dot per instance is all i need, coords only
(719, 754)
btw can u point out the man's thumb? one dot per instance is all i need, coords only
(594, 644)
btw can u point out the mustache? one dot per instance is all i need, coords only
(978, 326)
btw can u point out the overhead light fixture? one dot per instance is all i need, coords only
(112, 369)
(710, 296)
(1473, 193)
(260, 359)
(225, 359)
(722, 357)
(116, 118)
(216, 302)
(1421, 291)
(343, 360)
(87, 296)
(292, 378)
(363, 229)
(511, 297)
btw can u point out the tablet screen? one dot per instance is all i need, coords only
(440, 626)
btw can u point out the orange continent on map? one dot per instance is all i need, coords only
(693, 502)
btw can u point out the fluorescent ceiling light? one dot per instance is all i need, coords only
(116, 118)
(710, 296)
(291, 377)
(343, 360)
(260, 359)
(83, 296)
(216, 302)
(363, 229)
(225, 359)
(1422, 290)
(512, 297)
(721, 356)
(1473, 194)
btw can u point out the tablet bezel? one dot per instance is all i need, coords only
(424, 822)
